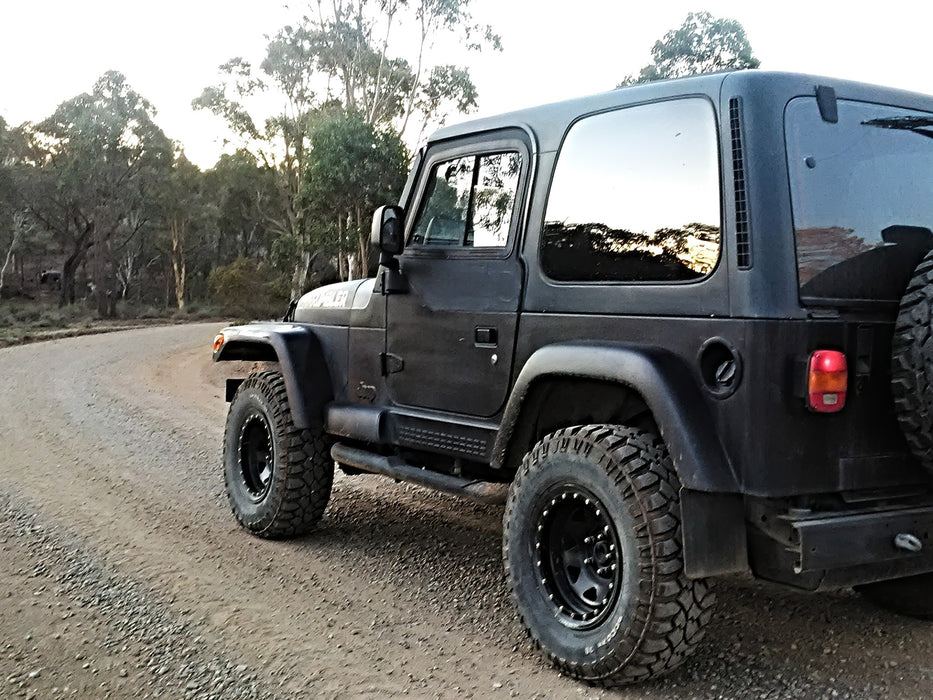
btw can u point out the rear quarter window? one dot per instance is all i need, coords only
(635, 196)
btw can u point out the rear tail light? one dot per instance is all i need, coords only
(827, 381)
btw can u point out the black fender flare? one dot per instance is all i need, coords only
(301, 360)
(665, 383)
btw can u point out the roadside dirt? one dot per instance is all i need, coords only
(126, 576)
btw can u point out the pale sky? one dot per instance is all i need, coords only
(52, 50)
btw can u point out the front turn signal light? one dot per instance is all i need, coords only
(827, 381)
(218, 342)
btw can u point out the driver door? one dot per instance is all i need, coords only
(451, 335)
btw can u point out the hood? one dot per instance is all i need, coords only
(333, 303)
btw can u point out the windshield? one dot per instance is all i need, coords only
(862, 195)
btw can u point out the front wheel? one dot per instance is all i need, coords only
(593, 554)
(278, 477)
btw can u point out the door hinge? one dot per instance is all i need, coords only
(391, 363)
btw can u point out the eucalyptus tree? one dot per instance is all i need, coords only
(352, 168)
(702, 44)
(10, 234)
(338, 60)
(99, 162)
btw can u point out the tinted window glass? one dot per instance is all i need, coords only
(862, 194)
(635, 196)
(469, 202)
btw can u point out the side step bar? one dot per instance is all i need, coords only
(482, 491)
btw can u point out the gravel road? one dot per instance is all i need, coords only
(126, 576)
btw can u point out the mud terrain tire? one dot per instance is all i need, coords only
(278, 477)
(912, 363)
(593, 553)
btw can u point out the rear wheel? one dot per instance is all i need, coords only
(593, 553)
(278, 477)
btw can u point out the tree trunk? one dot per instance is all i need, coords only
(179, 268)
(340, 253)
(300, 275)
(104, 274)
(9, 254)
(363, 242)
(82, 244)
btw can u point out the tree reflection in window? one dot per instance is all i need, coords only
(469, 202)
(594, 252)
(635, 197)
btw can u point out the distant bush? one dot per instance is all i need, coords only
(249, 289)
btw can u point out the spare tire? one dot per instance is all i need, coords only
(912, 363)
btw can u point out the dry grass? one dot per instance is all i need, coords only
(24, 321)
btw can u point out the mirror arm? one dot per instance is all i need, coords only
(388, 261)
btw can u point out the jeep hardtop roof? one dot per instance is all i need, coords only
(549, 121)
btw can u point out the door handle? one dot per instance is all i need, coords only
(486, 336)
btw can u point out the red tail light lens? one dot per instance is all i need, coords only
(827, 381)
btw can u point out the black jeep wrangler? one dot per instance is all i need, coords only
(681, 329)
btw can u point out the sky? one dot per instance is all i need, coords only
(52, 50)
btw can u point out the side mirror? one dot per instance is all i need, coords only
(388, 231)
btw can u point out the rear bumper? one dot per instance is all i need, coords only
(834, 550)
(836, 542)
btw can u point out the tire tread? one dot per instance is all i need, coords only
(309, 469)
(671, 610)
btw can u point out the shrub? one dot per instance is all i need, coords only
(250, 289)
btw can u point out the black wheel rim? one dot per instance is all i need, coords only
(578, 557)
(256, 456)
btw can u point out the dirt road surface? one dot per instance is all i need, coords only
(125, 575)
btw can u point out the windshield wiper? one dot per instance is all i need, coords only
(918, 125)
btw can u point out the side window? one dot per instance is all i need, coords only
(469, 202)
(635, 197)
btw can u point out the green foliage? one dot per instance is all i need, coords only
(448, 87)
(353, 164)
(702, 44)
(98, 192)
(250, 289)
(337, 61)
(352, 169)
(100, 158)
(241, 191)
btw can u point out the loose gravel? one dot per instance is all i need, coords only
(123, 628)
(125, 575)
